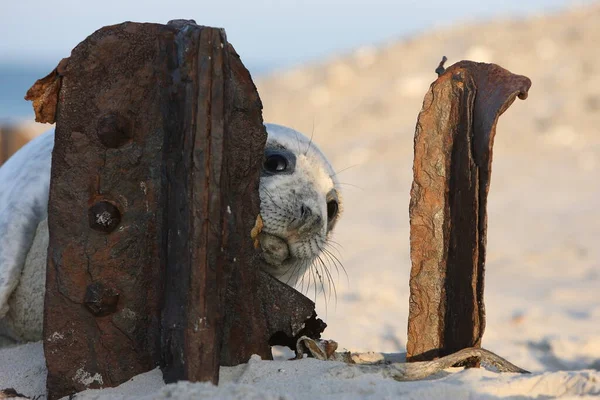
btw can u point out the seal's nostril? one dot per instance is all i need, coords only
(305, 212)
(309, 223)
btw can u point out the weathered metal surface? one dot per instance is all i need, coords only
(104, 276)
(448, 221)
(195, 209)
(154, 193)
(262, 312)
(254, 306)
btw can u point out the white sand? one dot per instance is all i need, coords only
(24, 369)
(309, 379)
(543, 266)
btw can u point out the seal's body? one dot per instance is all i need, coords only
(299, 206)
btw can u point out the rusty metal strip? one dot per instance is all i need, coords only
(448, 220)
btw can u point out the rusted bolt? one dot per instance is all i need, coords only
(104, 216)
(100, 300)
(114, 130)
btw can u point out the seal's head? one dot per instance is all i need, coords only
(300, 203)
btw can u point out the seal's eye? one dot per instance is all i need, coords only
(275, 163)
(332, 209)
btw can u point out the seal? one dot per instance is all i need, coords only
(300, 203)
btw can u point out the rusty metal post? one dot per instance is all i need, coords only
(154, 192)
(448, 220)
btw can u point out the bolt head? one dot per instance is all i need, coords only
(114, 130)
(101, 300)
(104, 216)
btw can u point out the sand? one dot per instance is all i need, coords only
(23, 368)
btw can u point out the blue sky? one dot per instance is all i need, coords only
(264, 32)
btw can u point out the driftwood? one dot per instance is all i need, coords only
(325, 350)
(448, 221)
(154, 192)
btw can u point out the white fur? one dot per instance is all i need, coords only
(25, 317)
(24, 185)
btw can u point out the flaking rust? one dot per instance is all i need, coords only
(448, 220)
(44, 94)
(256, 229)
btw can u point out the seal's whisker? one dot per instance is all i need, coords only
(296, 267)
(344, 169)
(330, 279)
(350, 184)
(334, 245)
(319, 263)
(290, 208)
(336, 261)
(330, 247)
(302, 283)
(305, 267)
(312, 270)
(268, 193)
(301, 270)
(322, 286)
(328, 254)
(328, 257)
(311, 139)
(298, 141)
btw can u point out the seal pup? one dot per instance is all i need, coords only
(300, 203)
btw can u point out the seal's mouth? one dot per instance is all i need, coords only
(275, 249)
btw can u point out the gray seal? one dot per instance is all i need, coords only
(300, 204)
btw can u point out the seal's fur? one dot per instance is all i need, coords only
(24, 185)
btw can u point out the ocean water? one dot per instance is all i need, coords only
(16, 79)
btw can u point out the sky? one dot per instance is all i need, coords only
(269, 35)
(266, 33)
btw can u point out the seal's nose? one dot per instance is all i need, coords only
(309, 221)
(305, 211)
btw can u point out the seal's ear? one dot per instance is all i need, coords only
(44, 94)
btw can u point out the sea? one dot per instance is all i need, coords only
(16, 79)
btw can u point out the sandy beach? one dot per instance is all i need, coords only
(542, 294)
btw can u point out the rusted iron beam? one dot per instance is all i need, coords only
(448, 220)
(154, 192)
(103, 294)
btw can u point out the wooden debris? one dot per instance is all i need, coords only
(325, 350)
